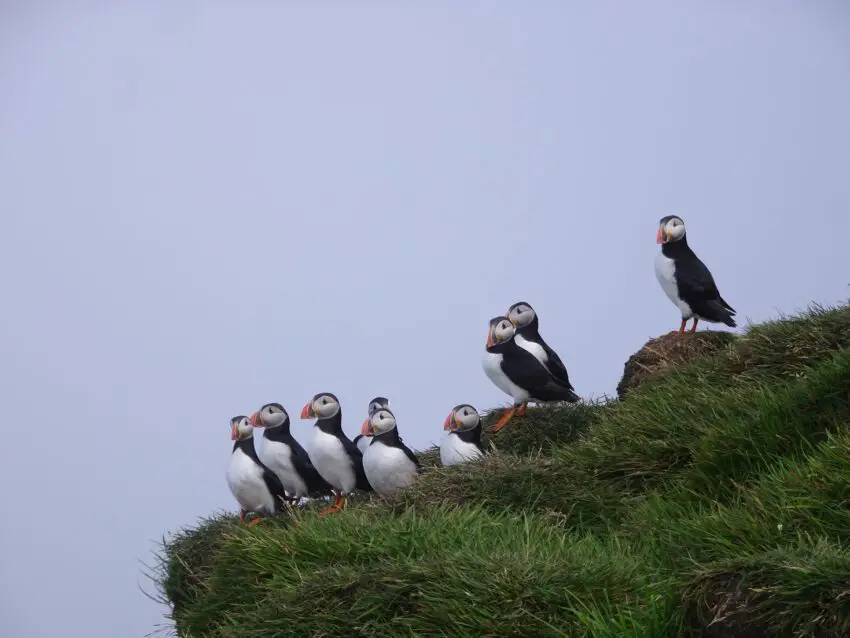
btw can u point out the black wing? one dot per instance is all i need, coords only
(697, 288)
(275, 487)
(411, 455)
(527, 372)
(357, 459)
(555, 365)
(304, 467)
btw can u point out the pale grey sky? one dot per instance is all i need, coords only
(214, 205)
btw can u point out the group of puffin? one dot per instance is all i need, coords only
(279, 472)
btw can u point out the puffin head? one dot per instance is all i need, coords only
(271, 415)
(501, 330)
(670, 229)
(240, 428)
(377, 403)
(380, 421)
(322, 406)
(521, 314)
(462, 417)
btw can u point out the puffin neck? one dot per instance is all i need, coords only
(501, 348)
(390, 437)
(675, 249)
(247, 446)
(470, 436)
(331, 425)
(277, 433)
(531, 330)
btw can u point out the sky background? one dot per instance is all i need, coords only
(206, 208)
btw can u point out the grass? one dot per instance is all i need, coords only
(712, 500)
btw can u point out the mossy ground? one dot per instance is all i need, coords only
(712, 501)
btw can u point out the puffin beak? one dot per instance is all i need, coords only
(256, 419)
(234, 432)
(661, 237)
(490, 341)
(307, 411)
(447, 424)
(366, 428)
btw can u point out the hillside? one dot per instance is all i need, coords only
(712, 500)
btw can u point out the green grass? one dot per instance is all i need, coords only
(714, 500)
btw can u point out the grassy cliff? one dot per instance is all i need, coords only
(713, 500)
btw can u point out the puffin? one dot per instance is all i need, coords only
(377, 403)
(337, 459)
(686, 281)
(389, 464)
(284, 456)
(518, 373)
(527, 337)
(463, 441)
(254, 486)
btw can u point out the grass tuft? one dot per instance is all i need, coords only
(711, 501)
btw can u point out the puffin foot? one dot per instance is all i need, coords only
(255, 521)
(694, 327)
(505, 418)
(520, 411)
(333, 509)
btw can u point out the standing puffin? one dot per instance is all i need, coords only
(389, 464)
(516, 372)
(527, 337)
(686, 280)
(463, 441)
(333, 454)
(375, 404)
(284, 456)
(254, 486)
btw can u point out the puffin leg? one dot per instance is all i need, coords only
(520, 411)
(255, 521)
(505, 418)
(694, 327)
(339, 501)
(682, 327)
(242, 514)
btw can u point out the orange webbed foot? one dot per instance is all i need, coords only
(503, 421)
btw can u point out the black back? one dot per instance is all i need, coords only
(269, 478)
(531, 332)
(390, 438)
(696, 285)
(333, 426)
(527, 372)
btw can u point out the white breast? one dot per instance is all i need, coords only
(387, 468)
(363, 442)
(665, 272)
(492, 364)
(332, 462)
(277, 457)
(534, 348)
(245, 479)
(454, 450)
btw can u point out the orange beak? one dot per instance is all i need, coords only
(366, 428)
(449, 423)
(307, 411)
(234, 432)
(659, 239)
(253, 419)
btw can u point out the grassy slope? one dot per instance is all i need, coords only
(713, 501)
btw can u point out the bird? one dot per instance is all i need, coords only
(254, 486)
(377, 403)
(517, 372)
(527, 337)
(463, 441)
(285, 456)
(389, 464)
(333, 454)
(686, 280)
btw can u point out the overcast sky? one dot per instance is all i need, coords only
(208, 208)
